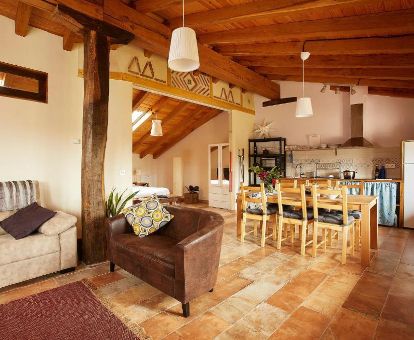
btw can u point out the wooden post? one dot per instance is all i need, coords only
(95, 125)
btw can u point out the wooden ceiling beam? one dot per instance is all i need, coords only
(372, 25)
(389, 45)
(22, 19)
(146, 6)
(336, 61)
(185, 131)
(387, 83)
(382, 91)
(262, 9)
(368, 73)
(68, 40)
(184, 122)
(140, 99)
(179, 108)
(212, 63)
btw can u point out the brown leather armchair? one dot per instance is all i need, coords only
(181, 259)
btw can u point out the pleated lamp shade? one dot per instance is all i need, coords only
(304, 108)
(156, 128)
(183, 56)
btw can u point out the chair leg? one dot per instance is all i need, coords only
(292, 233)
(275, 228)
(303, 238)
(279, 232)
(243, 229)
(255, 226)
(315, 238)
(111, 266)
(264, 226)
(211, 290)
(344, 244)
(330, 238)
(324, 232)
(357, 233)
(186, 309)
(352, 239)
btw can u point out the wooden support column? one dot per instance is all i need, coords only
(95, 125)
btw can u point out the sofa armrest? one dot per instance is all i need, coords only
(117, 225)
(58, 224)
(196, 263)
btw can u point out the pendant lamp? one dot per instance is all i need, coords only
(183, 56)
(156, 128)
(304, 105)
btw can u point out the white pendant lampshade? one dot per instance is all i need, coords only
(183, 56)
(156, 128)
(303, 104)
(304, 108)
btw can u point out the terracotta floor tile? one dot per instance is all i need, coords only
(205, 327)
(285, 300)
(352, 325)
(240, 331)
(305, 283)
(83, 273)
(104, 279)
(405, 271)
(394, 330)
(163, 324)
(385, 263)
(304, 323)
(408, 253)
(258, 291)
(403, 288)
(233, 309)
(133, 295)
(24, 291)
(394, 244)
(323, 303)
(399, 308)
(264, 318)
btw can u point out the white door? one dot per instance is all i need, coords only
(219, 175)
(409, 195)
(408, 152)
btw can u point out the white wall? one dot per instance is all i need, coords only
(36, 138)
(193, 150)
(387, 120)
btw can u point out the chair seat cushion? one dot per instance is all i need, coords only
(154, 251)
(355, 214)
(297, 214)
(271, 210)
(335, 218)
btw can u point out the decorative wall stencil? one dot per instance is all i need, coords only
(224, 91)
(146, 71)
(248, 100)
(195, 82)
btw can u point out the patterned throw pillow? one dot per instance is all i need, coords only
(148, 216)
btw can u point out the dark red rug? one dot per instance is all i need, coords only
(70, 312)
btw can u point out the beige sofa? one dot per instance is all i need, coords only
(52, 248)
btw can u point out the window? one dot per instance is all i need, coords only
(24, 83)
(139, 117)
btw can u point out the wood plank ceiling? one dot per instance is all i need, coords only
(179, 119)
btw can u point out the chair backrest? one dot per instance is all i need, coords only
(287, 183)
(295, 197)
(354, 185)
(18, 194)
(323, 198)
(247, 193)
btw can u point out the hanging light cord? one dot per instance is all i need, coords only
(183, 13)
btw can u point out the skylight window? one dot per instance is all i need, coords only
(139, 117)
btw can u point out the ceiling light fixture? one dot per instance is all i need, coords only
(304, 105)
(156, 128)
(323, 89)
(352, 90)
(183, 56)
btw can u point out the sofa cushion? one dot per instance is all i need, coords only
(148, 216)
(58, 224)
(27, 220)
(297, 214)
(154, 251)
(3, 216)
(12, 250)
(335, 218)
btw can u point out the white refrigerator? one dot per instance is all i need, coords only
(408, 177)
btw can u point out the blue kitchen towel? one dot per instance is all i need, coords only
(387, 200)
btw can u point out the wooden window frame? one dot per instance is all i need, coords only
(41, 77)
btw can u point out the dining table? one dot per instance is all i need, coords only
(368, 207)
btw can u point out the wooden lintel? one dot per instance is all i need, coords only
(279, 101)
(68, 41)
(22, 20)
(391, 92)
(117, 35)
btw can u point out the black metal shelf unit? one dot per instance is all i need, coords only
(267, 152)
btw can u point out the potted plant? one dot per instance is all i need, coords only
(114, 204)
(268, 177)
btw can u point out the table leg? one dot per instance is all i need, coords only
(365, 235)
(374, 226)
(239, 216)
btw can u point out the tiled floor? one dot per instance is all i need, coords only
(263, 293)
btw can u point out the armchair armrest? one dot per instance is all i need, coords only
(117, 225)
(196, 262)
(58, 224)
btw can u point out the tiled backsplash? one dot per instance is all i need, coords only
(362, 160)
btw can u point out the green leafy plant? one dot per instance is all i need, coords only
(268, 177)
(114, 204)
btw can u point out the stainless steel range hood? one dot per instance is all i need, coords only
(357, 129)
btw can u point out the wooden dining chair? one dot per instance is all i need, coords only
(261, 215)
(292, 211)
(334, 217)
